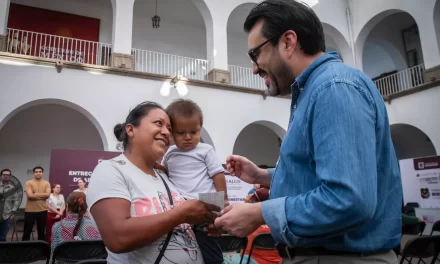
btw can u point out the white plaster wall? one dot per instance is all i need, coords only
(259, 144)
(419, 110)
(27, 139)
(176, 34)
(100, 9)
(108, 99)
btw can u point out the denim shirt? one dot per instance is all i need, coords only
(337, 182)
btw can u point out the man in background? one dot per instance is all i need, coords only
(9, 199)
(37, 191)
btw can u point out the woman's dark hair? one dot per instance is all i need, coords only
(84, 180)
(184, 108)
(76, 203)
(283, 15)
(134, 118)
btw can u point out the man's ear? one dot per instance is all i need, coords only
(289, 42)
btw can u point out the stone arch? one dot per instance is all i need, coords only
(333, 35)
(237, 38)
(437, 21)
(65, 103)
(260, 142)
(411, 142)
(372, 25)
(206, 138)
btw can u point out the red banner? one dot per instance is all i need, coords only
(67, 166)
(51, 34)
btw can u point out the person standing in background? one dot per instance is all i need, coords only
(8, 201)
(81, 186)
(37, 191)
(55, 209)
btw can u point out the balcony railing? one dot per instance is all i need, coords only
(241, 76)
(401, 81)
(58, 48)
(168, 64)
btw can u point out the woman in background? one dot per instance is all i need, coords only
(81, 186)
(77, 225)
(55, 209)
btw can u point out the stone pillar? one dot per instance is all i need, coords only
(4, 12)
(218, 47)
(121, 56)
(430, 48)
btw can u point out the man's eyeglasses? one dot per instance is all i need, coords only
(6, 175)
(253, 53)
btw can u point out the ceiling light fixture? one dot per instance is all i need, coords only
(177, 82)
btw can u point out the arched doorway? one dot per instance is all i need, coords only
(260, 142)
(206, 138)
(237, 38)
(389, 44)
(29, 134)
(335, 41)
(411, 142)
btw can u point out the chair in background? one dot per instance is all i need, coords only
(93, 261)
(232, 244)
(24, 252)
(262, 241)
(435, 227)
(78, 250)
(18, 226)
(421, 247)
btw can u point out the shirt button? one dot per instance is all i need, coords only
(301, 88)
(294, 106)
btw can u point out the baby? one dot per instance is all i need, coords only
(193, 167)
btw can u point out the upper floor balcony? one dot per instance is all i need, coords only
(204, 40)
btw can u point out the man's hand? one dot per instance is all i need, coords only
(242, 168)
(240, 219)
(226, 203)
(12, 217)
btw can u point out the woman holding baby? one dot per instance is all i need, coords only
(149, 221)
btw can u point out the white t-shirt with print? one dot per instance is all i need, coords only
(192, 171)
(119, 178)
(54, 202)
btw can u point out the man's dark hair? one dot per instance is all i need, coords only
(5, 170)
(282, 15)
(184, 108)
(38, 167)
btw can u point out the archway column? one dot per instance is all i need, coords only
(4, 13)
(121, 56)
(217, 42)
(431, 49)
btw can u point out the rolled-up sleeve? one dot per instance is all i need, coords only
(342, 131)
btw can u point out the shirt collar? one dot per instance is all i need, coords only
(301, 80)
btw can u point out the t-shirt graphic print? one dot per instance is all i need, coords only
(119, 178)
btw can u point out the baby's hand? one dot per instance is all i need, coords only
(160, 167)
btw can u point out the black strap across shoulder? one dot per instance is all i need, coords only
(167, 240)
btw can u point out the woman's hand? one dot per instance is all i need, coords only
(197, 212)
(57, 216)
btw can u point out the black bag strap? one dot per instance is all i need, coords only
(167, 240)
